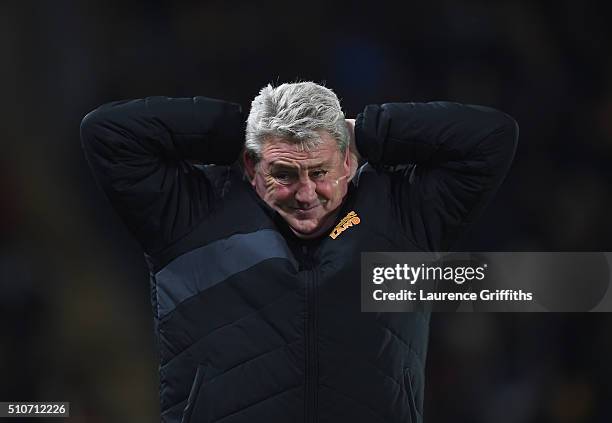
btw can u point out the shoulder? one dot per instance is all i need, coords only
(368, 175)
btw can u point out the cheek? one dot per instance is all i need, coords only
(274, 191)
(333, 190)
(281, 194)
(328, 190)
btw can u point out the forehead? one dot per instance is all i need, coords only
(277, 150)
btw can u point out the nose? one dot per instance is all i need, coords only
(306, 191)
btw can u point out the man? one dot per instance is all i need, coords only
(255, 269)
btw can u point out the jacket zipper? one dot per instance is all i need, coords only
(311, 341)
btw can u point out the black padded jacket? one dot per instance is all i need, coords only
(253, 324)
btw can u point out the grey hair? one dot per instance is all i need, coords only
(295, 112)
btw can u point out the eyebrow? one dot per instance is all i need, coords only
(276, 165)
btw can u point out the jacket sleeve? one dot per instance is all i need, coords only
(459, 156)
(141, 153)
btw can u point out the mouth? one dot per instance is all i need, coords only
(303, 211)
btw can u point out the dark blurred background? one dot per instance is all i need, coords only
(75, 317)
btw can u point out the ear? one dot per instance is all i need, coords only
(350, 164)
(249, 165)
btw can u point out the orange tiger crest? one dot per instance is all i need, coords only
(347, 221)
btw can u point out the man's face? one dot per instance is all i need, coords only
(305, 187)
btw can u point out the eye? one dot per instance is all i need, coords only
(318, 174)
(283, 177)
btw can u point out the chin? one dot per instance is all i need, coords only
(304, 228)
(311, 227)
